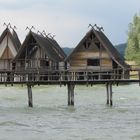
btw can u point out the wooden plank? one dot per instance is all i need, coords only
(78, 62)
(85, 55)
(105, 55)
(106, 62)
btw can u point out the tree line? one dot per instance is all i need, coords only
(132, 51)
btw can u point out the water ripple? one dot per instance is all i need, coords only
(12, 123)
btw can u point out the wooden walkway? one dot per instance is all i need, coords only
(32, 78)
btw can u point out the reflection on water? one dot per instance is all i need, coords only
(52, 119)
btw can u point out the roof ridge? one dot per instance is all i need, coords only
(14, 39)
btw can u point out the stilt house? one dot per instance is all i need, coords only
(40, 55)
(9, 46)
(96, 58)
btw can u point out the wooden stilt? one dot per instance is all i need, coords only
(107, 90)
(139, 77)
(111, 101)
(1, 77)
(30, 100)
(70, 94)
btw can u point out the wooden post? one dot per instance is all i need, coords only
(1, 77)
(139, 77)
(107, 90)
(30, 100)
(123, 74)
(111, 102)
(70, 94)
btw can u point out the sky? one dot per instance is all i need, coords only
(69, 19)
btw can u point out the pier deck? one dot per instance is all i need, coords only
(67, 78)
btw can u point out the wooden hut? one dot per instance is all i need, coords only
(9, 46)
(96, 58)
(40, 55)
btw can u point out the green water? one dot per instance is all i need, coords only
(52, 119)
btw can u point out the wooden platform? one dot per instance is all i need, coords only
(76, 82)
(67, 78)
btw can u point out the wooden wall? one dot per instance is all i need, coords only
(7, 53)
(37, 58)
(78, 60)
(7, 49)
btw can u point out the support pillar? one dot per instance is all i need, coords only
(30, 99)
(107, 90)
(139, 77)
(111, 101)
(109, 94)
(71, 94)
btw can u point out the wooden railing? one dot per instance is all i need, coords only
(33, 70)
(65, 75)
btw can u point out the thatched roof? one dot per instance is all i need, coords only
(13, 36)
(45, 43)
(111, 50)
(17, 41)
(57, 47)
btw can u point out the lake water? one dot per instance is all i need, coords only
(52, 119)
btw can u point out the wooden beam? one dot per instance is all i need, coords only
(69, 94)
(70, 87)
(72, 94)
(139, 77)
(111, 93)
(30, 99)
(107, 90)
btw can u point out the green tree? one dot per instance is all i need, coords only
(132, 51)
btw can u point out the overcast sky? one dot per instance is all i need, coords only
(69, 19)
